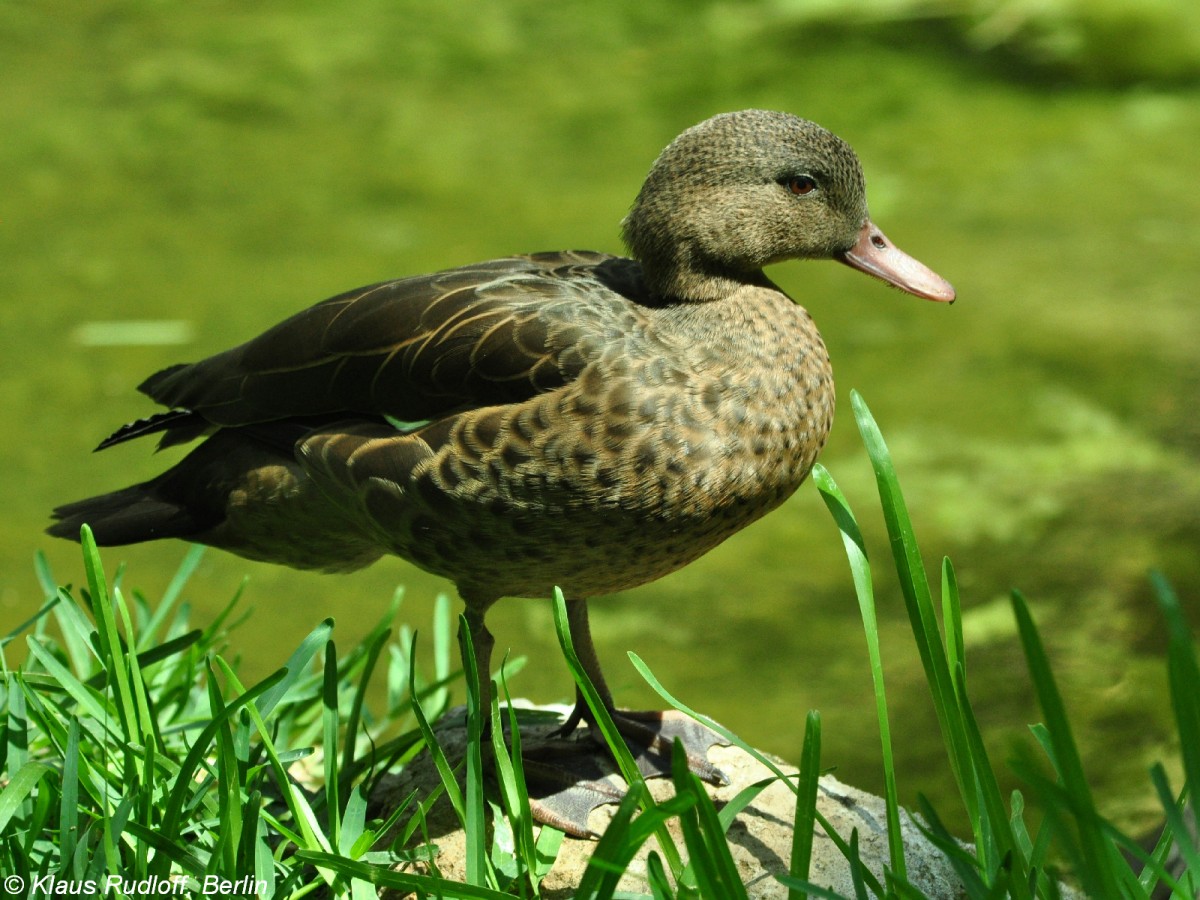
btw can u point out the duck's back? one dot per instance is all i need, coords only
(413, 348)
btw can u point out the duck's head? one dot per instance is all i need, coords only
(743, 190)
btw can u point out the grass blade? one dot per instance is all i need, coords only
(952, 620)
(1178, 826)
(19, 788)
(1183, 674)
(330, 723)
(382, 876)
(622, 838)
(804, 821)
(831, 832)
(476, 862)
(375, 642)
(449, 782)
(148, 634)
(708, 851)
(919, 603)
(860, 569)
(184, 783)
(604, 722)
(1098, 871)
(296, 667)
(109, 638)
(608, 729)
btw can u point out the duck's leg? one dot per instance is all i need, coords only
(482, 642)
(562, 792)
(650, 733)
(565, 780)
(585, 650)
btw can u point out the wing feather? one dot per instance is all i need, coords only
(412, 349)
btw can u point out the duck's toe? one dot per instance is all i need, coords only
(569, 776)
(651, 734)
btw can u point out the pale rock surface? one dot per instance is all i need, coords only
(760, 838)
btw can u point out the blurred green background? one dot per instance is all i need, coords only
(209, 168)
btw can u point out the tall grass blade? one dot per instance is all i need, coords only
(1098, 871)
(956, 657)
(148, 634)
(147, 726)
(109, 638)
(1183, 673)
(608, 729)
(514, 794)
(19, 789)
(995, 828)
(805, 818)
(656, 877)
(622, 838)
(858, 872)
(965, 865)
(183, 786)
(309, 836)
(68, 810)
(831, 832)
(673, 701)
(296, 667)
(1182, 835)
(737, 804)
(708, 851)
(375, 642)
(229, 808)
(14, 726)
(425, 885)
(93, 712)
(919, 603)
(476, 862)
(42, 611)
(77, 635)
(449, 782)
(860, 570)
(330, 722)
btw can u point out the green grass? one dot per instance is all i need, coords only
(130, 748)
(1012, 857)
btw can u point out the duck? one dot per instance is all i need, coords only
(567, 420)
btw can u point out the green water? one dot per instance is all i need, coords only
(218, 166)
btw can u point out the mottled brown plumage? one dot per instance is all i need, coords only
(563, 419)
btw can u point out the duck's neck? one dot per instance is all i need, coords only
(680, 276)
(679, 264)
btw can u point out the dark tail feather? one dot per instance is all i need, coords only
(178, 426)
(127, 516)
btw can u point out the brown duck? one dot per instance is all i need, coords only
(569, 419)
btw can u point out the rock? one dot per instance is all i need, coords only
(760, 838)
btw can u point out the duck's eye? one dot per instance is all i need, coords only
(801, 184)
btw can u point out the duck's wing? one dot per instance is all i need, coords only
(411, 349)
